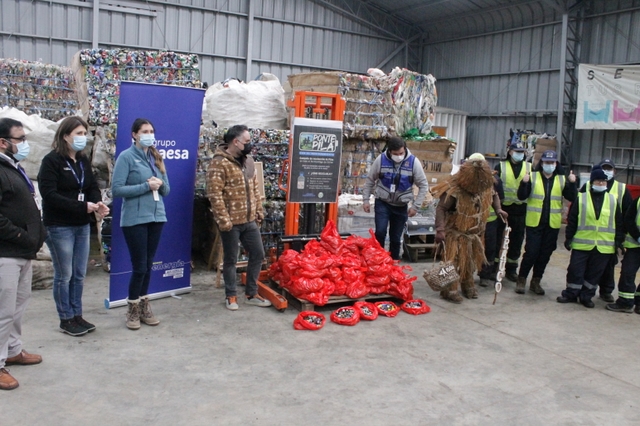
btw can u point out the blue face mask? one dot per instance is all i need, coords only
(549, 168)
(598, 188)
(147, 139)
(79, 142)
(608, 174)
(517, 156)
(23, 150)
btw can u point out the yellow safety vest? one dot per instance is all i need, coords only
(535, 202)
(617, 190)
(629, 242)
(510, 182)
(592, 232)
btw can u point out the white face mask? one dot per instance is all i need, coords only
(598, 188)
(397, 158)
(609, 174)
(518, 156)
(548, 168)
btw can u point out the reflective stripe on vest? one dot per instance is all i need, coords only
(492, 214)
(592, 232)
(510, 182)
(629, 242)
(535, 202)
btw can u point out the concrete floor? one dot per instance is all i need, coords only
(526, 360)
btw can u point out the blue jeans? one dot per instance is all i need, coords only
(69, 247)
(142, 241)
(394, 218)
(249, 235)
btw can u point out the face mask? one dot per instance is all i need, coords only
(598, 188)
(609, 174)
(397, 158)
(23, 150)
(518, 156)
(549, 168)
(246, 149)
(79, 142)
(147, 139)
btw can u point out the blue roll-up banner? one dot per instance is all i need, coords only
(176, 114)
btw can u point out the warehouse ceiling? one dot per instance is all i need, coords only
(440, 19)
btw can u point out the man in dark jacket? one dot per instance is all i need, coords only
(21, 236)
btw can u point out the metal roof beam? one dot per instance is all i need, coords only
(376, 18)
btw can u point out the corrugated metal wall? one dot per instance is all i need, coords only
(509, 79)
(288, 36)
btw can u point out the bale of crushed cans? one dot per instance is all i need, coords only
(415, 307)
(387, 309)
(368, 310)
(309, 320)
(347, 315)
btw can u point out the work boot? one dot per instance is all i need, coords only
(146, 316)
(7, 381)
(534, 286)
(563, 299)
(587, 303)
(512, 276)
(521, 283)
(451, 296)
(133, 314)
(637, 309)
(72, 328)
(471, 293)
(618, 308)
(607, 297)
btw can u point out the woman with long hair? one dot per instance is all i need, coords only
(70, 197)
(140, 178)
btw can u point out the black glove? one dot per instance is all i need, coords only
(620, 249)
(567, 244)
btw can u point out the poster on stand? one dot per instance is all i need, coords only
(608, 97)
(175, 113)
(316, 152)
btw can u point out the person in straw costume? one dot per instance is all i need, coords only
(461, 217)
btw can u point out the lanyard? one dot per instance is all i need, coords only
(81, 180)
(24, 175)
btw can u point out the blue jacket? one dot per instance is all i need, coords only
(130, 182)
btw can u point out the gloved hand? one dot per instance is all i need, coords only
(620, 250)
(567, 244)
(439, 237)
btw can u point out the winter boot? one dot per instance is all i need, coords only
(133, 314)
(534, 286)
(146, 316)
(520, 285)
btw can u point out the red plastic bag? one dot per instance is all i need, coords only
(309, 320)
(377, 280)
(379, 289)
(356, 289)
(329, 238)
(388, 309)
(347, 315)
(307, 285)
(368, 311)
(415, 307)
(318, 298)
(402, 290)
(340, 288)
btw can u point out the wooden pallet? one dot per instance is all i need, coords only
(334, 301)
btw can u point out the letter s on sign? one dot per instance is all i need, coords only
(590, 75)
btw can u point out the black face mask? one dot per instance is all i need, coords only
(246, 149)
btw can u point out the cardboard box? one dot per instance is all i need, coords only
(545, 144)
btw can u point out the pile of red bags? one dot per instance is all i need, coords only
(355, 267)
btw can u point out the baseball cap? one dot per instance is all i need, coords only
(549, 155)
(607, 162)
(517, 146)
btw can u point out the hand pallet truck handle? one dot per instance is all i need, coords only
(285, 170)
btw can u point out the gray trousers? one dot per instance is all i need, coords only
(15, 290)
(248, 234)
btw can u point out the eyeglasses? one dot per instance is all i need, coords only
(21, 139)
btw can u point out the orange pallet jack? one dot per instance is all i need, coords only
(309, 105)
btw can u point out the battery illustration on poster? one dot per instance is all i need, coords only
(316, 152)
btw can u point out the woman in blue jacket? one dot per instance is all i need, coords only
(141, 179)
